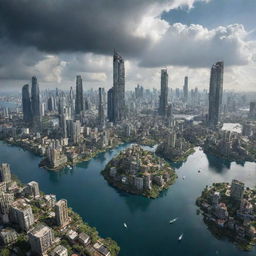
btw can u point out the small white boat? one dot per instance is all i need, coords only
(183, 177)
(125, 225)
(173, 220)
(180, 237)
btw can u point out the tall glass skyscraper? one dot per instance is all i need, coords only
(79, 104)
(26, 104)
(163, 101)
(101, 114)
(185, 89)
(35, 99)
(215, 94)
(118, 88)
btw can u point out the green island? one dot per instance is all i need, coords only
(36, 224)
(229, 211)
(138, 171)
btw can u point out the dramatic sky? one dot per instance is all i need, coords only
(58, 39)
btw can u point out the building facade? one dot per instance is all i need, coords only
(79, 102)
(26, 104)
(61, 212)
(5, 173)
(215, 94)
(163, 100)
(41, 239)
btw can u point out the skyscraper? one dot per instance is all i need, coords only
(252, 111)
(215, 94)
(185, 89)
(118, 88)
(35, 100)
(79, 104)
(101, 115)
(164, 93)
(110, 105)
(26, 104)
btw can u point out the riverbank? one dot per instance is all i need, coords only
(44, 163)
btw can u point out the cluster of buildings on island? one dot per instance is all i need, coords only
(230, 145)
(139, 170)
(234, 210)
(18, 220)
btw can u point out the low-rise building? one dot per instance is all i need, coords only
(84, 239)
(59, 251)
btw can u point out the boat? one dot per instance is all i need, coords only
(125, 225)
(183, 177)
(173, 220)
(180, 237)
(199, 171)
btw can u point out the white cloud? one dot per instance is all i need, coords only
(196, 46)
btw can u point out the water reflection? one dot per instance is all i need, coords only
(217, 164)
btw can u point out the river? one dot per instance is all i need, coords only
(149, 232)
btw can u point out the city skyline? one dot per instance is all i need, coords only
(172, 34)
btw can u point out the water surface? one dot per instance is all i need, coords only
(149, 232)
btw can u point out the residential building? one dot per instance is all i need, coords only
(41, 239)
(21, 213)
(61, 212)
(5, 173)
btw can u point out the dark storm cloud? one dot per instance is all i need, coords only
(63, 25)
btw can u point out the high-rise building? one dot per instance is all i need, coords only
(163, 101)
(79, 104)
(185, 89)
(215, 94)
(101, 115)
(35, 100)
(6, 199)
(139, 91)
(63, 125)
(61, 212)
(110, 105)
(5, 173)
(26, 104)
(237, 190)
(76, 132)
(21, 213)
(252, 111)
(41, 239)
(33, 189)
(118, 88)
